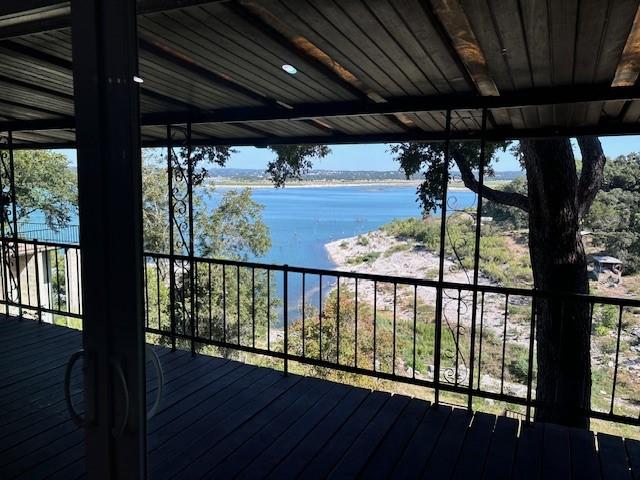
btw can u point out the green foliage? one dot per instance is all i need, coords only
(234, 229)
(518, 363)
(363, 241)
(505, 215)
(368, 257)
(225, 306)
(497, 260)
(424, 232)
(614, 217)
(429, 158)
(45, 183)
(293, 161)
(400, 247)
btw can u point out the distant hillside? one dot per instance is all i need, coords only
(253, 175)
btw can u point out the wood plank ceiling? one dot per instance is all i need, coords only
(367, 70)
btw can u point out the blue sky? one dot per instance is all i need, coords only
(377, 156)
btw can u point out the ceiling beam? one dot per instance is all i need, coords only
(523, 98)
(275, 29)
(628, 67)
(464, 41)
(285, 36)
(498, 134)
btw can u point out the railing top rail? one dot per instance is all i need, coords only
(40, 243)
(512, 291)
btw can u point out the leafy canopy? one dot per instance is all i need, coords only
(44, 183)
(430, 159)
(234, 229)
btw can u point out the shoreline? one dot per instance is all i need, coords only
(400, 183)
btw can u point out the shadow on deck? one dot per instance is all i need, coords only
(224, 419)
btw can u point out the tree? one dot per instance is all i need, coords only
(556, 201)
(614, 217)
(234, 229)
(44, 184)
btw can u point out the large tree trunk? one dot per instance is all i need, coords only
(559, 265)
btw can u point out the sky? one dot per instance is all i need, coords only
(377, 156)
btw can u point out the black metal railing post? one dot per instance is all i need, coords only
(172, 272)
(192, 293)
(439, 289)
(285, 273)
(476, 257)
(532, 333)
(35, 259)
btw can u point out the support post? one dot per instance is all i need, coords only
(476, 258)
(172, 271)
(105, 61)
(439, 293)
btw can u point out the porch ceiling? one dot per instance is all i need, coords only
(367, 70)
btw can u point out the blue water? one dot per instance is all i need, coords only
(303, 220)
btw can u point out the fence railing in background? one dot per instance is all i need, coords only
(379, 326)
(385, 327)
(40, 280)
(42, 232)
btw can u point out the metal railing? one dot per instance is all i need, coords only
(383, 327)
(40, 280)
(43, 232)
(386, 327)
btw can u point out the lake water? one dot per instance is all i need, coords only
(302, 220)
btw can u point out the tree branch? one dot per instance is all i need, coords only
(593, 161)
(511, 199)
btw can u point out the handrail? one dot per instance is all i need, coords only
(512, 291)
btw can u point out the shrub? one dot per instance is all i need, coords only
(362, 240)
(368, 257)
(518, 365)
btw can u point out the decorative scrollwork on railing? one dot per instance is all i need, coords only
(180, 218)
(455, 374)
(180, 193)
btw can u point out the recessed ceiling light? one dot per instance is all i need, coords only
(137, 79)
(290, 69)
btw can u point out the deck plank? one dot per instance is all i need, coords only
(584, 457)
(613, 458)
(259, 432)
(556, 459)
(502, 451)
(415, 457)
(354, 459)
(443, 460)
(633, 454)
(219, 418)
(476, 445)
(298, 445)
(387, 454)
(332, 451)
(528, 462)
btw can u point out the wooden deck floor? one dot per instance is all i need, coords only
(224, 419)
